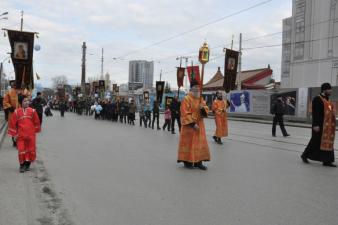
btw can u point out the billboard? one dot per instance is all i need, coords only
(240, 102)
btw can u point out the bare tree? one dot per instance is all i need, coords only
(59, 81)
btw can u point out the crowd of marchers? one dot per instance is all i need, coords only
(25, 116)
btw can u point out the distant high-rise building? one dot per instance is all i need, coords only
(107, 81)
(310, 44)
(142, 72)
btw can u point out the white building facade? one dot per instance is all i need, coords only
(141, 71)
(310, 44)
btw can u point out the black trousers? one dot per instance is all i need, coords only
(143, 120)
(40, 118)
(167, 123)
(278, 119)
(178, 119)
(157, 117)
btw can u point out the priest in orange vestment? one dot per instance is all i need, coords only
(193, 146)
(219, 107)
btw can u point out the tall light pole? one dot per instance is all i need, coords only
(83, 69)
(1, 73)
(239, 83)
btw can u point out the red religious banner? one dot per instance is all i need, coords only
(180, 76)
(194, 73)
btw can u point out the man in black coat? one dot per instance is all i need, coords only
(175, 108)
(322, 109)
(38, 104)
(278, 110)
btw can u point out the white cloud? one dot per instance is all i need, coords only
(122, 26)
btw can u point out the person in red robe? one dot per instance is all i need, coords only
(23, 126)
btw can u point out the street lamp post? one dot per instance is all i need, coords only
(3, 16)
(1, 73)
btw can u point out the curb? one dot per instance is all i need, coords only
(3, 129)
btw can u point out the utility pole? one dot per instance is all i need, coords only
(102, 60)
(21, 27)
(1, 68)
(239, 83)
(83, 72)
(232, 42)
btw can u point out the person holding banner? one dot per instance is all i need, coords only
(219, 107)
(193, 147)
(321, 145)
(175, 114)
(156, 115)
(10, 103)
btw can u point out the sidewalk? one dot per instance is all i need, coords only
(3, 127)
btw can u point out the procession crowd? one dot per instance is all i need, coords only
(25, 115)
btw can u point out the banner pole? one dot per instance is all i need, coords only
(201, 84)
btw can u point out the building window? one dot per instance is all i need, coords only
(299, 51)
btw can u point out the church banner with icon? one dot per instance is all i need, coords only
(159, 91)
(180, 76)
(230, 70)
(22, 44)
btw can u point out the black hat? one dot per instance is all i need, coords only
(11, 82)
(38, 93)
(21, 98)
(193, 83)
(326, 86)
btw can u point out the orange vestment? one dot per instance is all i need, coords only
(24, 125)
(10, 100)
(329, 126)
(221, 117)
(193, 145)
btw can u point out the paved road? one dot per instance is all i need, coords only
(107, 173)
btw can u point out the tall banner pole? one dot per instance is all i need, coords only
(201, 83)
(178, 91)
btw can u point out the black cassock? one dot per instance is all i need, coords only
(313, 151)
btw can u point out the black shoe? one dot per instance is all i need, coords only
(201, 166)
(273, 135)
(158, 128)
(219, 141)
(215, 138)
(22, 168)
(27, 166)
(286, 135)
(173, 132)
(329, 164)
(304, 159)
(188, 165)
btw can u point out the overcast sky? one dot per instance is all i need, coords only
(123, 26)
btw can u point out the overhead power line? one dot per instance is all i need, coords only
(197, 28)
(295, 42)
